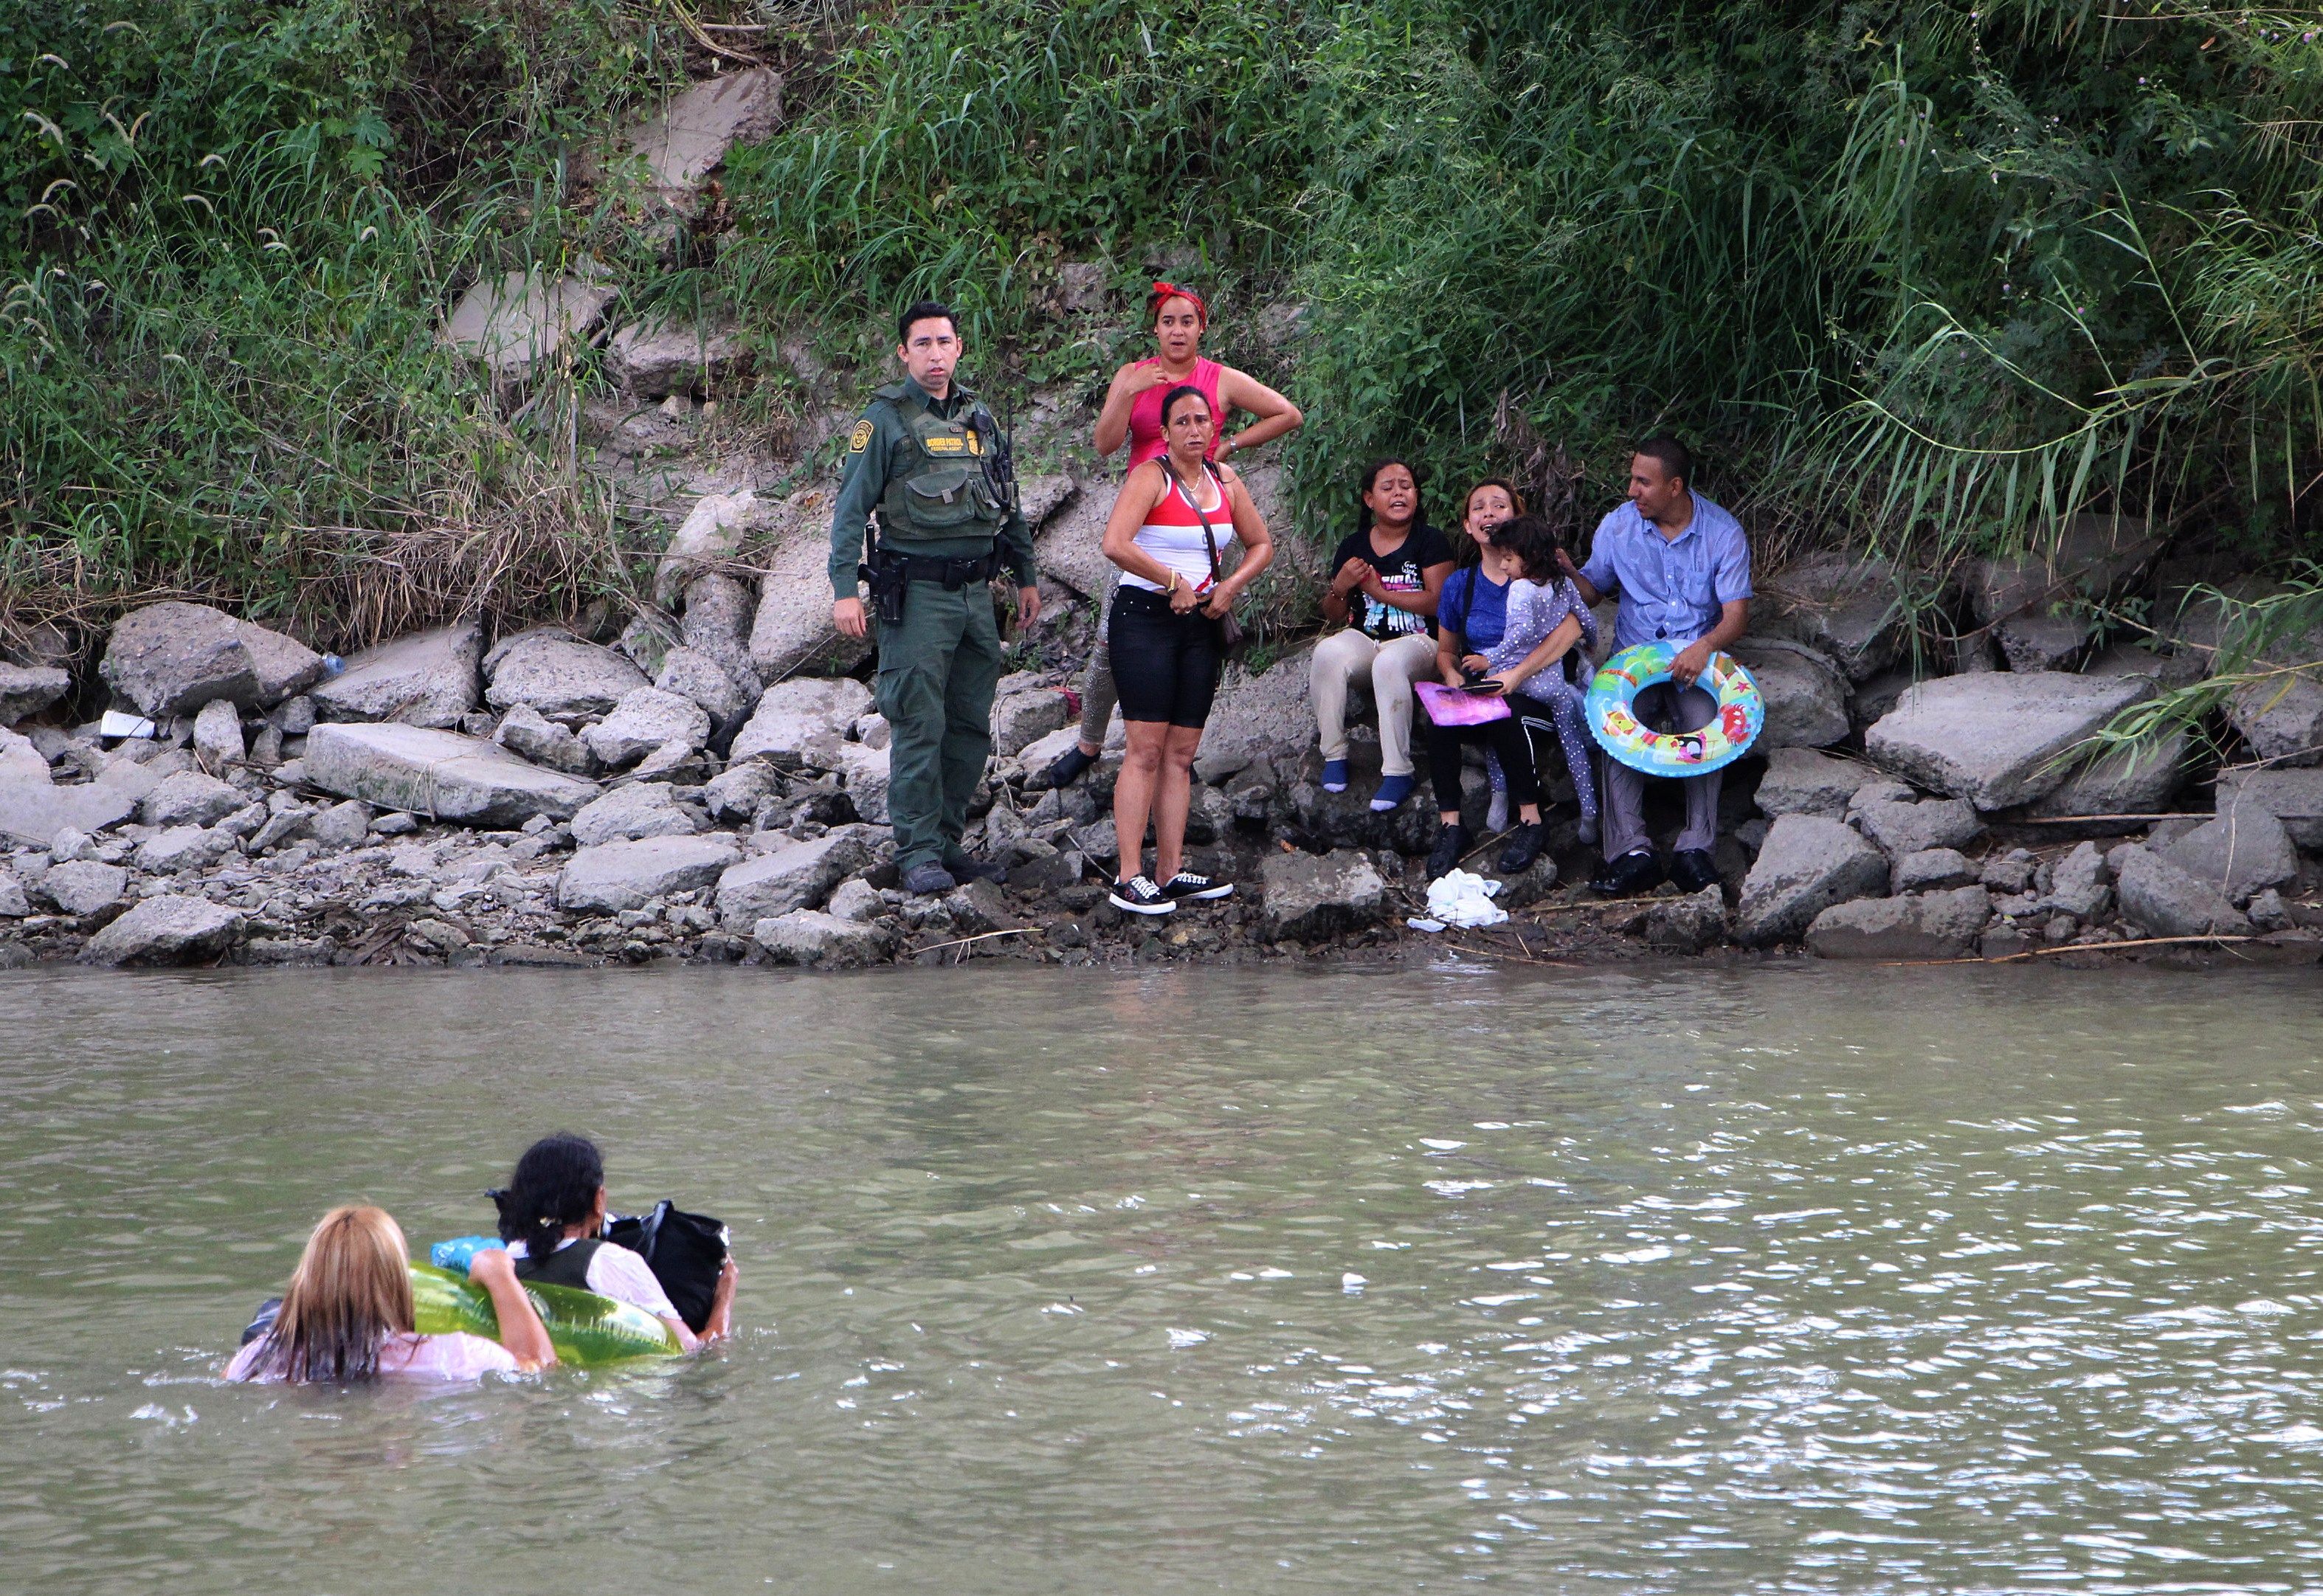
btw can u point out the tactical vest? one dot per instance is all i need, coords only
(936, 487)
(567, 1266)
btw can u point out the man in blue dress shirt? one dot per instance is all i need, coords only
(1682, 567)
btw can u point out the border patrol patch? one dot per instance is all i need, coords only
(860, 439)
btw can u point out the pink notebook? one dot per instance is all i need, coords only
(1449, 706)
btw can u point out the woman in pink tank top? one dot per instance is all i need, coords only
(1132, 414)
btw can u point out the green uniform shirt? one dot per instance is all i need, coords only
(870, 453)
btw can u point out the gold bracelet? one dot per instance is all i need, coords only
(1173, 585)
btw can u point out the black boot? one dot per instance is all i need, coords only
(1694, 869)
(1451, 843)
(1633, 873)
(1522, 848)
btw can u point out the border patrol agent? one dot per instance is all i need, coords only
(930, 461)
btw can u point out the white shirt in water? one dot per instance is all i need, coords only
(456, 1355)
(621, 1274)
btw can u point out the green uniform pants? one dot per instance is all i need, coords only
(937, 669)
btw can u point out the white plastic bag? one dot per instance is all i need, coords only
(1465, 899)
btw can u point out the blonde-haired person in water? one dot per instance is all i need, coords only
(348, 1314)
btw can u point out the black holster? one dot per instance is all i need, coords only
(889, 574)
(884, 574)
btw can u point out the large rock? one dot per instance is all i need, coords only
(166, 929)
(2281, 717)
(27, 690)
(1933, 869)
(2239, 852)
(2294, 797)
(83, 886)
(710, 536)
(558, 674)
(792, 632)
(1804, 691)
(1022, 712)
(1932, 925)
(666, 155)
(218, 742)
(719, 611)
(1800, 781)
(1851, 610)
(644, 720)
(2091, 557)
(660, 356)
(1269, 716)
(172, 658)
(1911, 827)
(184, 848)
(640, 809)
(20, 760)
(2080, 884)
(799, 876)
(190, 798)
(803, 722)
(33, 810)
(2132, 779)
(519, 320)
(863, 771)
(1805, 865)
(1069, 549)
(1996, 738)
(1306, 897)
(616, 876)
(2167, 901)
(438, 774)
(1687, 924)
(827, 942)
(694, 675)
(528, 734)
(428, 679)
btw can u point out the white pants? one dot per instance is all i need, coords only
(1392, 666)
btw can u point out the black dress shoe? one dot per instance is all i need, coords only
(1625, 877)
(1694, 869)
(1522, 848)
(1451, 843)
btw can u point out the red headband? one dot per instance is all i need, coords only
(1164, 292)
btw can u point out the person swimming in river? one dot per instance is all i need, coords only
(553, 1222)
(1132, 413)
(347, 1315)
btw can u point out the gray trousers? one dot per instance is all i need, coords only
(1685, 709)
(1097, 693)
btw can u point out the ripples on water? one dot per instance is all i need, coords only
(1781, 1280)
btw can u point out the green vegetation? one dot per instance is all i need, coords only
(1923, 276)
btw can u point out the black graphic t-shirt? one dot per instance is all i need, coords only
(1400, 572)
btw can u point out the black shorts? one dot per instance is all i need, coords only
(1165, 665)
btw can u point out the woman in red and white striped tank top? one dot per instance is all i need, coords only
(1133, 413)
(1173, 532)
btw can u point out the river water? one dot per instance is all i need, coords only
(1785, 1279)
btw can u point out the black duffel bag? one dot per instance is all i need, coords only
(684, 1251)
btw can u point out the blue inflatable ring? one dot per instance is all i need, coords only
(1742, 713)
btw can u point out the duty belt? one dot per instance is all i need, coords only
(953, 574)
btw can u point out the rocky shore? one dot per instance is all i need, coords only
(683, 789)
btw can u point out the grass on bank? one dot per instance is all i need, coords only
(1922, 277)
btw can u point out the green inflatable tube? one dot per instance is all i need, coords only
(584, 1327)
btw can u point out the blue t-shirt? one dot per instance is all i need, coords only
(1475, 606)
